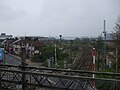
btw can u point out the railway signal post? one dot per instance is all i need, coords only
(94, 56)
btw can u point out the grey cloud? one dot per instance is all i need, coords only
(67, 17)
(7, 13)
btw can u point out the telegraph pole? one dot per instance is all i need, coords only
(104, 42)
(116, 62)
(55, 55)
(98, 54)
(116, 58)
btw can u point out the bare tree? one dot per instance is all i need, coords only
(116, 35)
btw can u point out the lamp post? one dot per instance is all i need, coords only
(60, 37)
(60, 47)
(60, 41)
(105, 32)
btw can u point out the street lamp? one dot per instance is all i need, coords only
(60, 47)
(60, 37)
(60, 41)
(105, 32)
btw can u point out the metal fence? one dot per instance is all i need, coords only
(15, 78)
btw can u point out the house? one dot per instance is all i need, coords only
(3, 37)
(31, 44)
(8, 44)
(109, 39)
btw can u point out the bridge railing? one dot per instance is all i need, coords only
(36, 78)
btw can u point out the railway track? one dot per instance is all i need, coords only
(84, 61)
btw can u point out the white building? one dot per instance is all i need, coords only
(3, 36)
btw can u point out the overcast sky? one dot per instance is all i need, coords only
(74, 18)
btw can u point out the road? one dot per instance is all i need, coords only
(13, 60)
(10, 59)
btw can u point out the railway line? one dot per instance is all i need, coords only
(84, 61)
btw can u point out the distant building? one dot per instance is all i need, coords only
(7, 43)
(32, 45)
(109, 39)
(3, 36)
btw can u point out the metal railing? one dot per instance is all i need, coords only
(37, 78)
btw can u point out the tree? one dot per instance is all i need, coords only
(99, 48)
(46, 53)
(116, 37)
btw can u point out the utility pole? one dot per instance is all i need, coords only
(116, 57)
(116, 63)
(23, 64)
(55, 55)
(99, 50)
(104, 42)
(60, 47)
(70, 51)
(98, 54)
